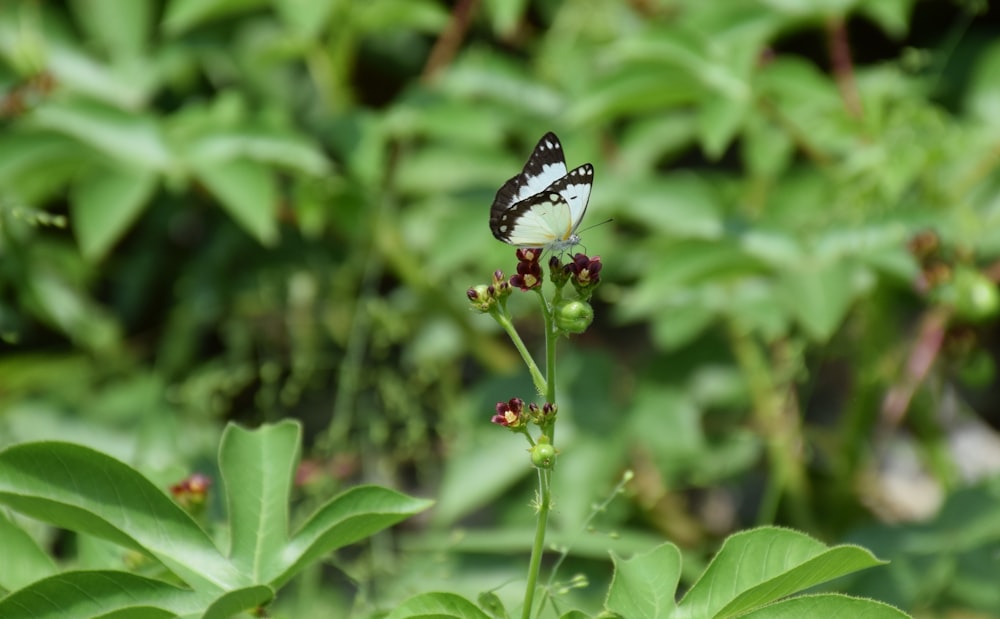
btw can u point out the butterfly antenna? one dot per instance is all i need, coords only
(600, 223)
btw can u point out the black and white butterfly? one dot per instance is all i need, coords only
(543, 205)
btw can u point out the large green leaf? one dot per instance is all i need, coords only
(758, 567)
(645, 585)
(84, 490)
(89, 594)
(827, 605)
(349, 517)
(438, 606)
(258, 468)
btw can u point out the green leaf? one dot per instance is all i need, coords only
(25, 561)
(680, 204)
(819, 296)
(289, 150)
(484, 76)
(892, 15)
(755, 568)
(418, 15)
(182, 15)
(766, 149)
(720, 119)
(247, 191)
(84, 490)
(232, 603)
(632, 90)
(105, 202)
(504, 15)
(347, 518)
(122, 28)
(27, 153)
(89, 594)
(827, 605)
(437, 605)
(817, 9)
(132, 139)
(306, 17)
(258, 468)
(70, 309)
(645, 585)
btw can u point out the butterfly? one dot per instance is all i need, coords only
(543, 205)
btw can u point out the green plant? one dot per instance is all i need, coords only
(752, 575)
(177, 568)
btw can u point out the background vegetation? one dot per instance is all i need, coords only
(251, 210)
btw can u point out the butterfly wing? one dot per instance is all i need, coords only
(546, 165)
(541, 220)
(575, 190)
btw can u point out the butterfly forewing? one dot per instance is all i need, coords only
(545, 166)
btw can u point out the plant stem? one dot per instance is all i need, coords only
(550, 356)
(538, 547)
(544, 486)
(503, 319)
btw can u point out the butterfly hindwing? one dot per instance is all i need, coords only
(540, 220)
(543, 205)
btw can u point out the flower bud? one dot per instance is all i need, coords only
(480, 297)
(574, 316)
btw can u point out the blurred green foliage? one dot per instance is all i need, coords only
(254, 209)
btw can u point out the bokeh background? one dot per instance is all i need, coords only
(251, 210)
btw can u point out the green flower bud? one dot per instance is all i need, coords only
(481, 297)
(574, 316)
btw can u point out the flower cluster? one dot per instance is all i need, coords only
(191, 493)
(483, 297)
(529, 272)
(511, 414)
(541, 415)
(582, 270)
(585, 273)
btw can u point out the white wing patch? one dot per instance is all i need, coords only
(543, 205)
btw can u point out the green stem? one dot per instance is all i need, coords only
(550, 348)
(544, 486)
(538, 547)
(503, 319)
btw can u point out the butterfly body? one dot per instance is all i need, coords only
(544, 204)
